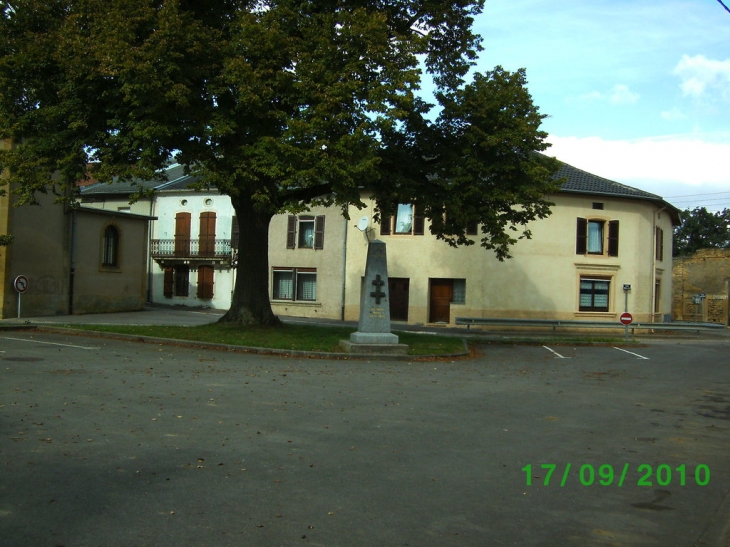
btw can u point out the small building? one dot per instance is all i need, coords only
(701, 287)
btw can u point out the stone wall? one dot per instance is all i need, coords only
(706, 272)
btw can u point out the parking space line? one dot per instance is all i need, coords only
(632, 353)
(47, 343)
(556, 353)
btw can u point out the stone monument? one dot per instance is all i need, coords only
(373, 331)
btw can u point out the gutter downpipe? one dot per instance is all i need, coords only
(344, 268)
(149, 250)
(653, 303)
(72, 268)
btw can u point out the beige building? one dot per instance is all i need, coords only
(75, 260)
(601, 237)
(701, 287)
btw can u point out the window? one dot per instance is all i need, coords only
(657, 295)
(594, 294)
(182, 280)
(305, 232)
(299, 284)
(407, 221)
(459, 294)
(176, 281)
(110, 251)
(592, 237)
(659, 244)
(205, 282)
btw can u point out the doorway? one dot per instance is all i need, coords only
(398, 288)
(441, 294)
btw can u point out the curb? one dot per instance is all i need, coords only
(245, 349)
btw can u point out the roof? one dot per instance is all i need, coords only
(582, 182)
(175, 175)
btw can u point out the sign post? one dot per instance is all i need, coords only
(626, 319)
(21, 285)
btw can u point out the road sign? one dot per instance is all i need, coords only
(21, 283)
(626, 318)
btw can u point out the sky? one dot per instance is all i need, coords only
(636, 91)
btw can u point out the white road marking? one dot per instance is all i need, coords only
(631, 353)
(47, 343)
(556, 353)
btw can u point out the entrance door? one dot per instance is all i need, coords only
(398, 290)
(442, 293)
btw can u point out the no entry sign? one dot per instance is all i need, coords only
(626, 318)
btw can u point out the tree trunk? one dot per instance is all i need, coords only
(250, 303)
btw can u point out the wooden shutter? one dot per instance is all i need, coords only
(613, 238)
(205, 282)
(319, 232)
(207, 233)
(385, 222)
(581, 237)
(659, 243)
(182, 234)
(234, 232)
(418, 222)
(169, 283)
(291, 232)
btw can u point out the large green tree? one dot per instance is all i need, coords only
(701, 229)
(279, 105)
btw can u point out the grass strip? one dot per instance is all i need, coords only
(286, 337)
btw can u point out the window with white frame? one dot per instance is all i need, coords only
(305, 232)
(597, 237)
(407, 221)
(297, 284)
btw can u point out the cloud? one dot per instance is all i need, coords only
(619, 94)
(673, 115)
(689, 160)
(700, 75)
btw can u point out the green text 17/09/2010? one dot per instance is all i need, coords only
(663, 475)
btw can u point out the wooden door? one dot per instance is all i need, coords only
(182, 234)
(441, 295)
(398, 295)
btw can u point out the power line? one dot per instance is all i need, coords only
(696, 195)
(724, 6)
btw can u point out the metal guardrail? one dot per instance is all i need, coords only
(575, 324)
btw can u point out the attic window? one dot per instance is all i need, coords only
(598, 205)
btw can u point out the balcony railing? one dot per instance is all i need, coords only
(192, 248)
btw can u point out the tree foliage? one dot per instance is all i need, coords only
(278, 104)
(701, 229)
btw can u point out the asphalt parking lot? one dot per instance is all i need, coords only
(111, 443)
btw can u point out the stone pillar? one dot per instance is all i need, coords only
(373, 333)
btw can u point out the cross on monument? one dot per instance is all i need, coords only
(378, 293)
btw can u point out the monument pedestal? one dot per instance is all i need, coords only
(373, 335)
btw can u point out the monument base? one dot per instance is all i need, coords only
(374, 349)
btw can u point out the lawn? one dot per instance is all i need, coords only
(286, 337)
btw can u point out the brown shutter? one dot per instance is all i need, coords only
(385, 222)
(659, 244)
(319, 232)
(169, 282)
(205, 282)
(581, 237)
(418, 222)
(234, 232)
(613, 238)
(291, 232)
(207, 233)
(182, 234)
